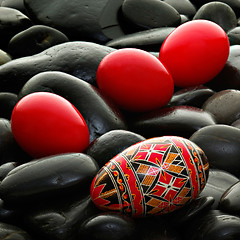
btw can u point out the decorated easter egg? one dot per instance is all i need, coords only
(152, 177)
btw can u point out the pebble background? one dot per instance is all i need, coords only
(50, 45)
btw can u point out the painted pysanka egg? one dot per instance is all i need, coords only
(152, 177)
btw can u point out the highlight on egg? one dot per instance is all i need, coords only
(153, 177)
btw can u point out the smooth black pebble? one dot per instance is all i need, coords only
(80, 59)
(218, 182)
(148, 40)
(210, 11)
(107, 146)
(221, 144)
(224, 105)
(148, 14)
(35, 40)
(48, 177)
(85, 20)
(177, 120)
(191, 96)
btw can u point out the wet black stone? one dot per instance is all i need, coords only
(48, 177)
(214, 225)
(192, 96)
(177, 120)
(80, 59)
(218, 12)
(229, 77)
(4, 57)
(100, 114)
(229, 201)
(85, 20)
(12, 21)
(234, 36)
(148, 14)
(10, 151)
(190, 211)
(16, 4)
(107, 146)
(11, 232)
(149, 40)
(233, 58)
(236, 123)
(224, 105)
(218, 182)
(184, 19)
(10, 215)
(35, 40)
(221, 144)
(5, 168)
(184, 7)
(157, 227)
(107, 226)
(60, 221)
(7, 103)
(234, 4)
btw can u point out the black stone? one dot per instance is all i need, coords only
(218, 182)
(234, 4)
(233, 58)
(85, 20)
(184, 7)
(157, 227)
(184, 19)
(12, 21)
(100, 114)
(107, 146)
(148, 14)
(16, 4)
(213, 225)
(10, 215)
(236, 123)
(48, 177)
(229, 201)
(192, 210)
(80, 59)
(108, 226)
(192, 96)
(234, 36)
(35, 40)
(149, 40)
(5, 168)
(7, 103)
(224, 105)
(221, 144)
(4, 57)
(12, 232)
(229, 77)
(177, 120)
(10, 151)
(218, 12)
(60, 221)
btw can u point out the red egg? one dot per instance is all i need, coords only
(195, 52)
(153, 177)
(45, 124)
(135, 80)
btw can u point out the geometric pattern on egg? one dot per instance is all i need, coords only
(153, 177)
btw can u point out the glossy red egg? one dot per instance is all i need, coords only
(135, 80)
(195, 52)
(153, 177)
(46, 124)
